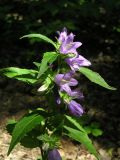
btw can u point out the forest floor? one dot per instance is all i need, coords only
(102, 104)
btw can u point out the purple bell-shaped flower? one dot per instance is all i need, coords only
(54, 155)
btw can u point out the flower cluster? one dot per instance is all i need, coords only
(66, 81)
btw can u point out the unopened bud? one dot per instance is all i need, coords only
(54, 155)
(43, 88)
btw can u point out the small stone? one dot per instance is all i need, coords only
(104, 155)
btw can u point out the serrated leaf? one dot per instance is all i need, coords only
(40, 36)
(25, 75)
(75, 123)
(95, 77)
(48, 57)
(24, 126)
(82, 138)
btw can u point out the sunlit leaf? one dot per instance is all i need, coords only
(27, 78)
(15, 71)
(24, 126)
(82, 138)
(48, 58)
(95, 77)
(75, 123)
(25, 75)
(40, 36)
(37, 64)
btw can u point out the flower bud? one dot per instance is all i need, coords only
(75, 108)
(43, 88)
(54, 155)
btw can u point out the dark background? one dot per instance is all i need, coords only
(96, 24)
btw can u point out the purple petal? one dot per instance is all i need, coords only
(65, 88)
(68, 75)
(67, 44)
(73, 82)
(76, 94)
(70, 38)
(84, 61)
(77, 62)
(62, 35)
(69, 47)
(75, 108)
(61, 79)
(73, 46)
(54, 155)
(68, 78)
(58, 78)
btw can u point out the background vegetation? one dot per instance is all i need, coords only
(95, 22)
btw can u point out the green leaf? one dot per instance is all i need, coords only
(51, 140)
(26, 75)
(40, 36)
(82, 138)
(88, 129)
(26, 78)
(97, 132)
(95, 77)
(11, 121)
(75, 123)
(47, 82)
(37, 64)
(25, 125)
(10, 125)
(39, 158)
(14, 71)
(30, 142)
(48, 58)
